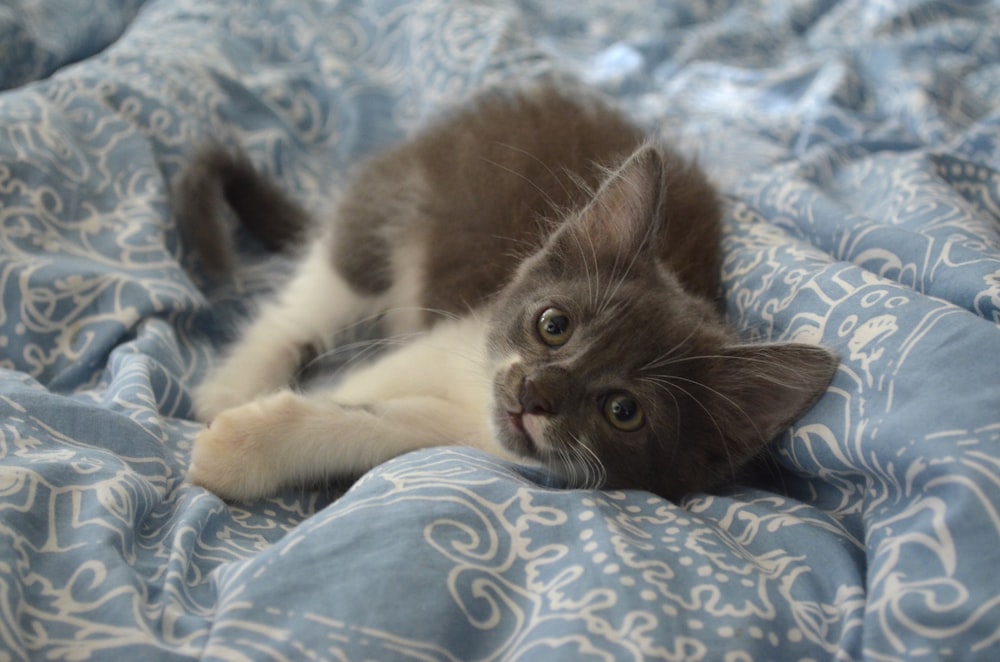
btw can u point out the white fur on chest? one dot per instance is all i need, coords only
(448, 362)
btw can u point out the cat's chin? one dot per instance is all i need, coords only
(513, 430)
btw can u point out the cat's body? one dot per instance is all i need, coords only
(559, 271)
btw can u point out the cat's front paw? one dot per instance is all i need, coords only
(247, 374)
(235, 455)
(209, 401)
(220, 393)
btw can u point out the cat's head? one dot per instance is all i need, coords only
(608, 372)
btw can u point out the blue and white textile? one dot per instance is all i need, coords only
(858, 145)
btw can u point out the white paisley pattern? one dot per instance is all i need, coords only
(858, 145)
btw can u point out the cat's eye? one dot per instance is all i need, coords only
(554, 327)
(623, 412)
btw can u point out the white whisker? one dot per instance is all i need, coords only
(665, 358)
(790, 384)
(592, 291)
(586, 461)
(624, 277)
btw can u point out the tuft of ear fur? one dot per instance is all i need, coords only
(762, 389)
(624, 215)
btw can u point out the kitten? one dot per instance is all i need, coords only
(554, 273)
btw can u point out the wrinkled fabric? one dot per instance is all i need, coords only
(857, 146)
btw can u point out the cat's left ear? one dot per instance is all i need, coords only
(762, 389)
(624, 215)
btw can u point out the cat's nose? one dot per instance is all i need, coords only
(535, 400)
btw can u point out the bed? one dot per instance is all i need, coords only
(858, 149)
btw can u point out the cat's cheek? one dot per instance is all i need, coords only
(512, 439)
(513, 435)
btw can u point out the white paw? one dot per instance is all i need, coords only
(237, 454)
(216, 395)
(233, 385)
(250, 371)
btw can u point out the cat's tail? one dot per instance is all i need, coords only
(219, 178)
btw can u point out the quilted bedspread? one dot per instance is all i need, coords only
(858, 148)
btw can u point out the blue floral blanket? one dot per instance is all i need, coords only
(858, 147)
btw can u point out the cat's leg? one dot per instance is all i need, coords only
(314, 304)
(288, 438)
(430, 392)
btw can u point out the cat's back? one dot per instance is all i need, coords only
(481, 188)
(545, 147)
(501, 172)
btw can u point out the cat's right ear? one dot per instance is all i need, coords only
(761, 389)
(624, 214)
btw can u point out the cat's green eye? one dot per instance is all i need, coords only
(554, 327)
(623, 412)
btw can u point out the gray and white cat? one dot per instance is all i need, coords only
(550, 275)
